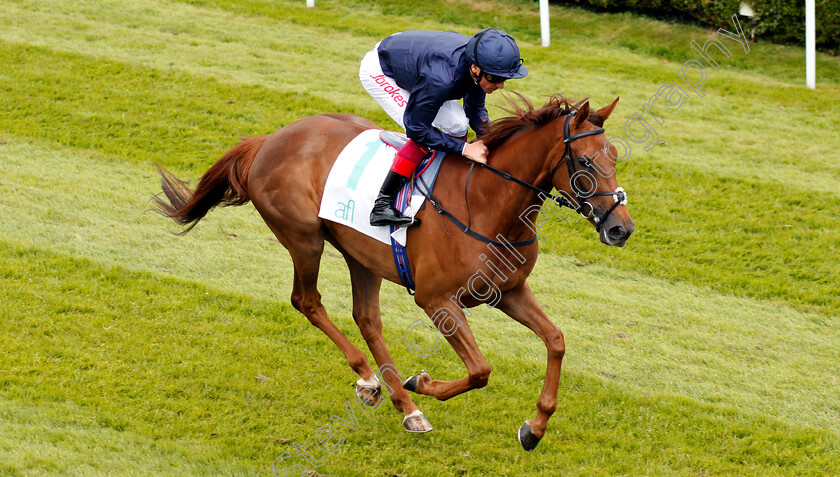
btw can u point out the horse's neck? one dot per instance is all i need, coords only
(524, 157)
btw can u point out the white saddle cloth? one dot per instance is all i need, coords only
(354, 183)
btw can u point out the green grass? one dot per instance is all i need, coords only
(707, 346)
(113, 370)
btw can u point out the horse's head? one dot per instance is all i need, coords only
(583, 170)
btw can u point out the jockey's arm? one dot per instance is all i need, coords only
(476, 111)
(419, 115)
(479, 122)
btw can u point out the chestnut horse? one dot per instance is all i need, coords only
(283, 174)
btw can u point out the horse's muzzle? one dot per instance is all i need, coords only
(616, 231)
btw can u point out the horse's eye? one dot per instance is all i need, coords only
(584, 162)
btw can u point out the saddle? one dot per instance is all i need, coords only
(427, 181)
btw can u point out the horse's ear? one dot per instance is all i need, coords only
(581, 115)
(607, 110)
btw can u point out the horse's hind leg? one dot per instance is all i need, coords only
(366, 313)
(306, 255)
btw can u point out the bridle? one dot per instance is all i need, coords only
(619, 195)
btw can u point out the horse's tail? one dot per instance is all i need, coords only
(225, 183)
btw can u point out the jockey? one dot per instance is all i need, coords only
(418, 77)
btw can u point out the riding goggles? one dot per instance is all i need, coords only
(494, 78)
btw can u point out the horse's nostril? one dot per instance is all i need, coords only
(617, 232)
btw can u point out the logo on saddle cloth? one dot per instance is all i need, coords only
(345, 211)
(355, 179)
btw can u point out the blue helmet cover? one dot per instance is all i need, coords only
(496, 53)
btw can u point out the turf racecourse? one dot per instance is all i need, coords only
(707, 346)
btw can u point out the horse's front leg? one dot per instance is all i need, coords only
(521, 305)
(452, 323)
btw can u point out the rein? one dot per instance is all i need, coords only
(464, 227)
(619, 195)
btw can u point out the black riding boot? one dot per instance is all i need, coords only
(383, 212)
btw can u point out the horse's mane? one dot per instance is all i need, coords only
(525, 116)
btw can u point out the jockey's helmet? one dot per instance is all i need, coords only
(495, 52)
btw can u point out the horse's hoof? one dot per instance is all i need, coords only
(411, 383)
(369, 396)
(417, 422)
(528, 440)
